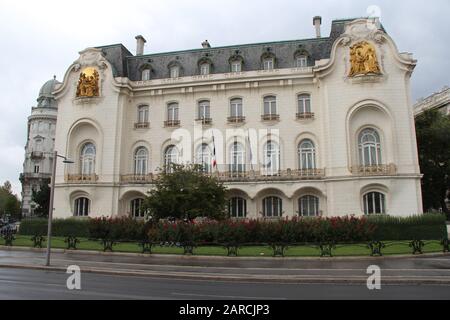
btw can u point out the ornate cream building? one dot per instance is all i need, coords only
(320, 126)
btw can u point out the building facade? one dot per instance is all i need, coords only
(37, 166)
(313, 127)
(439, 100)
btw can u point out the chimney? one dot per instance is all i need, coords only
(205, 44)
(140, 43)
(317, 21)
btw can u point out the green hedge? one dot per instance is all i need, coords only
(60, 227)
(423, 227)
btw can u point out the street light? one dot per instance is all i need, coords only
(52, 195)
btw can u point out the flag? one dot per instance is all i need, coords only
(214, 161)
(250, 150)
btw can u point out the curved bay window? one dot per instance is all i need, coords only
(271, 163)
(237, 158)
(140, 161)
(81, 207)
(272, 207)
(307, 155)
(87, 159)
(237, 207)
(136, 208)
(170, 157)
(308, 206)
(374, 203)
(204, 158)
(369, 146)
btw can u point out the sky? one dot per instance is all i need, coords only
(42, 38)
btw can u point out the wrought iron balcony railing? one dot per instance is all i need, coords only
(204, 120)
(305, 115)
(270, 117)
(137, 178)
(171, 123)
(37, 154)
(236, 119)
(81, 178)
(142, 125)
(377, 170)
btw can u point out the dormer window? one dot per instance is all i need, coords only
(145, 75)
(302, 61)
(268, 63)
(204, 69)
(174, 71)
(236, 66)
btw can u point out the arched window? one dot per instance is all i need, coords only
(204, 68)
(237, 207)
(140, 161)
(307, 155)
(145, 75)
(268, 63)
(170, 157)
(308, 206)
(87, 159)
(142, 114)
(270, 105)
(203, 157)
(301, 61)
(304, 103)
(204, 110)
(272, 207)
(236, 66)
(136, 208)
(174, 71)
(81, 207)
(237, 158)
(172, 112)
(236, 108)
(374, 203)
(369, 148)
(271, 163)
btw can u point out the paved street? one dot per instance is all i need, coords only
(37, 284)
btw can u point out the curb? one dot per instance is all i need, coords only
(242, 258)
(354, 280)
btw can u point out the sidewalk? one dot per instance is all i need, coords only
(432, 268)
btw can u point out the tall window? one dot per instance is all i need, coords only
(136, 208)
(301, 61)
(140, 161)
(174, 71)
(272, 207)
(237, 207)
(268, 64)
(304, 103)
(369, 148)
(308, 206)
(172, 112)
(203, 157)
(170, 157)
(271, 158)
(236, 66)
(307, 155)
(204, 110)
(145, 75)
(204, 69)
(237, 157)
(270, 105)
(236, 108)
(374, 203)
(87, 159)
(81, 207)
(142, 114)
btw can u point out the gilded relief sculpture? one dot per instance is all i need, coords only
(88, 84)
(363, 59)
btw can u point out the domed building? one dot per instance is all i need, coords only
(40, 144)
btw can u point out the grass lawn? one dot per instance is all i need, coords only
(392, 248)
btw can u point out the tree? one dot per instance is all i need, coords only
(433, 139)
(42, 199)
(9, 203)
(186, 192)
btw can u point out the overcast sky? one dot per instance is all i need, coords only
(42, 38)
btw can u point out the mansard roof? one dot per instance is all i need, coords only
(125, 64)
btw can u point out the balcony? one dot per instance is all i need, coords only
(37, 154)
(270, 117)
(142, 125)
(137, 178)
(204, 121)
(265, 175)
(81, 178)
(236, 119)
(171, 123)
(305, 116)
(378, 170)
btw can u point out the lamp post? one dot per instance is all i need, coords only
(50, 209)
